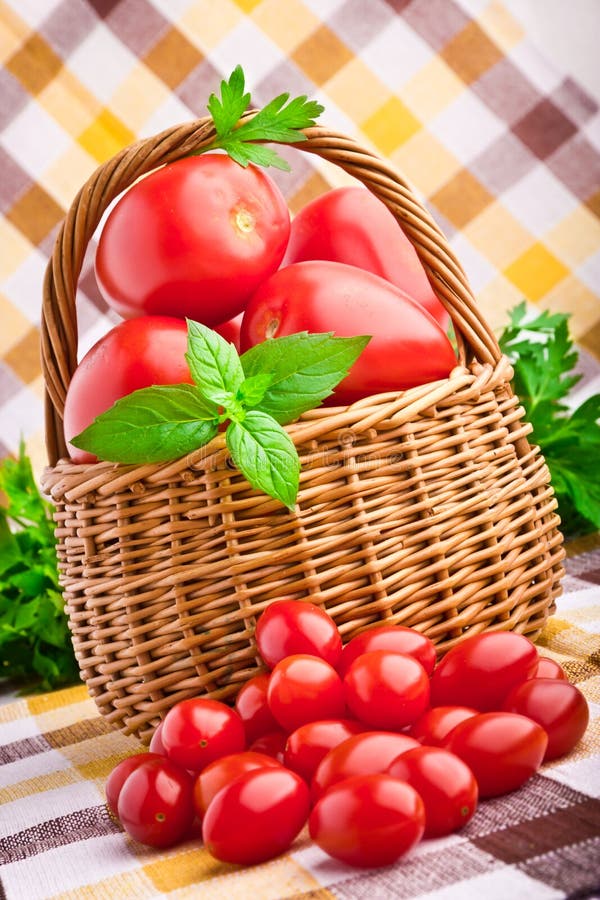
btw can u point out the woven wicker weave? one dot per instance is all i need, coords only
(427, 508)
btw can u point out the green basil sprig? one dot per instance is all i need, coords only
(256, 394)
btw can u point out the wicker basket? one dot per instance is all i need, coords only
(427, 508)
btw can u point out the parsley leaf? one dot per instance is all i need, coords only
(280, 121)
(543, 357)
(271, 384)
(35, 641)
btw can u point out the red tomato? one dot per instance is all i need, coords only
(368, 820)
(287, 627)
(251, 704)
(149, 350)
(350, 225)
(119, 776)
(396, 638)
(408, 347)
(303, 688)
(271, 744)
(482, 669)
(197, 731)
(502, 749)
(155, 803)
(549, 668)
(193, 239)
(369, 753)
(307, 745)
(224, 770)
(434, 726)
(230, 330)
(386, 690)
(444, 782)
(256, 816)
(558, 706)
(156, 744)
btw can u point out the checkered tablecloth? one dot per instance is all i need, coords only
(57, 839)
(504, 149)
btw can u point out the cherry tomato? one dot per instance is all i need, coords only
(396, 638)
(193, 239)
(407, 348)
(350, 225)
(271, 744)
(256, 816)
(368, 820)
(119, 776)
(303, 688)
(224, 770)
(482, 669)
(558, 706)
(386, 690)
(434, 726)
(369, 753)
(307, 745)
(444, 782)
(132, 355)
(199, 730)
(251, 704)
(287, 627)
(549, 668)
(155, 803)
(156, 744)
(502, 750)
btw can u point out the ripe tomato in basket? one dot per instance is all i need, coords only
(193, 239)
(407, 348)
(350, 225)
(132, 355)
(297, 626)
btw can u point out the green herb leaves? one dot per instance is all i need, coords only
(269, 386)
(281, 121)
(35, 642)
(541, 351)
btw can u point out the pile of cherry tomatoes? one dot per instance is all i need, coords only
(374, 744)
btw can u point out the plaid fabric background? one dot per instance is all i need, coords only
(504, 149)
(57, 839)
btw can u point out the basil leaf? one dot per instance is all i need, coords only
(305, 368)
(214, 363)
(154, 424)
(252, 389)
(266, 456)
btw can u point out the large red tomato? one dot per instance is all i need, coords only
(193, 239)
(408, 347)
(350, 225)
(135, 354)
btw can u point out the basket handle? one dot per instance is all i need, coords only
(59, 319)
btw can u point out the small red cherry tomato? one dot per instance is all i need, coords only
(156, 744)
(434, 726)
(271, 744)
(256, 816)
(155, 803)
(197, 731)
(253, 708)
(368, 753)
(549, 668)
(502, 750)
(482, 669)
(303, 688)
(307, 745)
(444, 782)
(289, 627)
(395, 638)
(558, 706)
(368, 820)
(224, 770)
(119, 776)
(386, 690)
